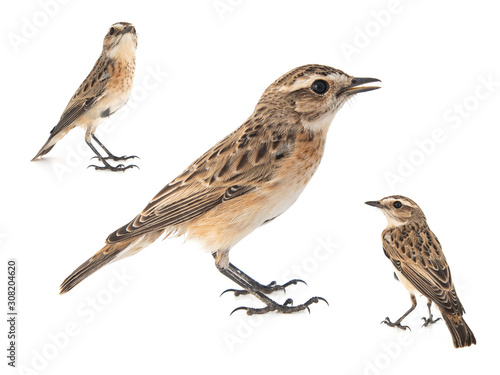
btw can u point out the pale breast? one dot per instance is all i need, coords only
(298, 170)
(228, 223)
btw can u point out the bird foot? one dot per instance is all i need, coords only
(118, 168)
(286, 308)
(266, 289)
(429, 320)
(396, 324)
(117, 158)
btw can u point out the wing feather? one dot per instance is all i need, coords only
(230, 169)
(417, 254)
(89, 93)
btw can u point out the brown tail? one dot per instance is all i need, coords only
(45, 148)
(108, 254)
(460, 331)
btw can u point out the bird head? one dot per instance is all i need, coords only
(312, 95)
(399, 210)
(121, 38)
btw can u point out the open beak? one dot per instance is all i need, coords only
(374, 204)
(355, 86)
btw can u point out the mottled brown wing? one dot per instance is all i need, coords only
(417, 254)
(232, 168)
(88, 94)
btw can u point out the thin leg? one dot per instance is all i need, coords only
(110, 155)
(266, 289)
(429, 320)
(271, 305)
(107, 166)
(397, 323)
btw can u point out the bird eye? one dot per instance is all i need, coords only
(397, 204)
(111, 31)
(320, 87)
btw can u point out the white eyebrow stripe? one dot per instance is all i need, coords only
(303, 82)
(300, 83)
(402, 200)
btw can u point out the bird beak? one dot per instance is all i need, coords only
(128, 29)
(355, 88)
(374, 204)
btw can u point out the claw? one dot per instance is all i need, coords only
(236, 292)
(266, 289)
(286, 308)
(395, 324)
(241, 308)
(429, 320)
(116, 158)
(118, 168)
(291, 282)
(322, 299)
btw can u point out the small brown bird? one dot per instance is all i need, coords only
(420, 266)
(248, 179)
(105, 90)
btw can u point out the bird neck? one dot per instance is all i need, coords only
(123, 51)
(320, 125)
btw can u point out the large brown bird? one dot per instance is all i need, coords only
(248, 179)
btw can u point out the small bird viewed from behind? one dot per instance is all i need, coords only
(248, 179)
(105, 90)
(420, 266)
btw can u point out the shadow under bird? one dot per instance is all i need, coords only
(420, 266)
(246, 180)
(105, 90)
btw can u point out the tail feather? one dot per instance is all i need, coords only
(108, 254)
(45, 148)
(460, 332)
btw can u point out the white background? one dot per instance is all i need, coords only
(200, 72)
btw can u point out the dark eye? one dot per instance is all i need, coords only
(111, 31)
(397, 204)
(320, 86)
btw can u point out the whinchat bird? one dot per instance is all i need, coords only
(246, 180)
(420, 266)
(105, 90)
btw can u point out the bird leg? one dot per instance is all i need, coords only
(266, 289)
(110, 155)
(429, 320)
(251, 287)
(397, 323)
(107, 166)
